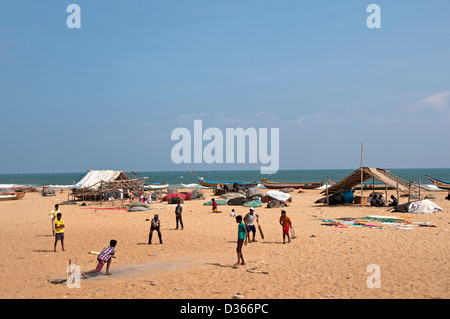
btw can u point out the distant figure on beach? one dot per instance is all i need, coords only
(52, 216)
(59, 231)
(286, 223)
(380, 201)
(448, 196)
(155, 223)
(178, 211)
(233, 213)
(374, 201)
(242, 239)
(394, 201)
(214, 206)
(249, 220)
(130, 195)
(104, 257)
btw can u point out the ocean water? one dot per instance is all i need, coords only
(185, 179)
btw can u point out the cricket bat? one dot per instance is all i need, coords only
(260, 231)
(97, 253)
(293, 233)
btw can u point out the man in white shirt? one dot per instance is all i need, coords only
(249, 220)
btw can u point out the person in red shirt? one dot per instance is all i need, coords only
(214, 206)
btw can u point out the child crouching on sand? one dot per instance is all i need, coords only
(104, 257)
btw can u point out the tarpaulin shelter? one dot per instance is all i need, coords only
(354, 180)
(101, 184)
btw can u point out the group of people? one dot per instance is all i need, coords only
(378, 201)
(156, 222)
(104, 257)
(57, 226)
(246, 225)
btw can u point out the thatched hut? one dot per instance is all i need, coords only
(104, 184)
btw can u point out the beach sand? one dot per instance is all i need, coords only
(321, 262)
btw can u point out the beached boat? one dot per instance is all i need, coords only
(20, 195)
(7, 197)
(439, 183)
(9, 192)
(47, 191)
(206, 183)
(154, 186)
(278, 185)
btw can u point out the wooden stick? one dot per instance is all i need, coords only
(258, 271)
(385, 193)
(419, 189)
(409, 190)
(362, 173)
(373, 186)
(398, 198)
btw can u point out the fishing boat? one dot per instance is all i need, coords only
(154, 186)
(10, 192)
(206, 183)
(439, 183)
(47, 191)
(277, 185)
(7, 197)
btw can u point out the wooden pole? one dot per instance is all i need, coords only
(385, 193)
(362, 179)
(409, 190)
(327, 193)
(101, 193)
(373, 186)
(398, 198)
(419, 189)
(113, 194)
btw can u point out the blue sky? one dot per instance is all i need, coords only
(109, 94)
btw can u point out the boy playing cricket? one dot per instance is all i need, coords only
(286, 223)
(104, 257)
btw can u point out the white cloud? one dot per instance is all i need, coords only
(259, 114)
(439, 101)
(191, 117)
(302, 118)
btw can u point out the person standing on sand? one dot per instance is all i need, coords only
(249, 220)
(52, 216)
(286, 223)
(242, 240)
(104, 257)
(155, 224)
(59, 231)
(178, 211)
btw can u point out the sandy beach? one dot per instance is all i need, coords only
(321, 262)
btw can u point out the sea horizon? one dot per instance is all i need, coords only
(184, 178)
